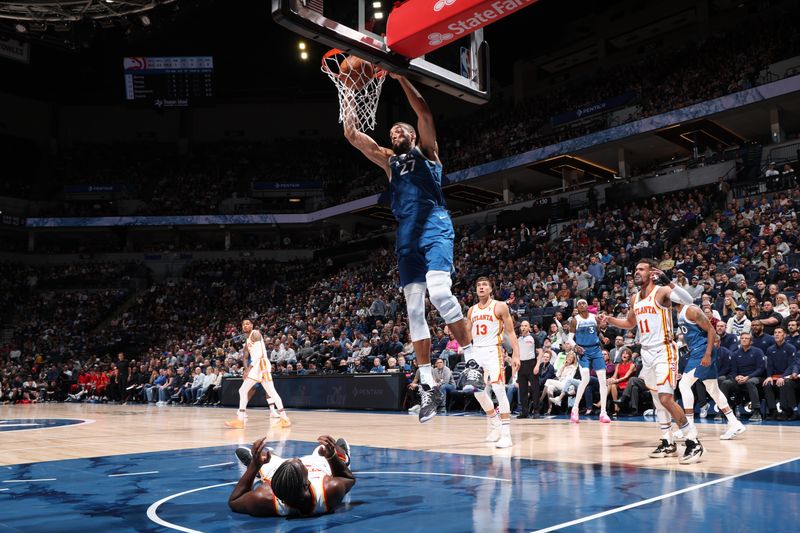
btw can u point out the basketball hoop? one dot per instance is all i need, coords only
(359, 86)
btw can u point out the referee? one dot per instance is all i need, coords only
(527, 357)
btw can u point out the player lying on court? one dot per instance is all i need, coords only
(259, 372)
(304, 486)
(425, 235)
(490, 320)
(650, 312)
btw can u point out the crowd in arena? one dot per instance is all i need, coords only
(195, 180)
(738, 259)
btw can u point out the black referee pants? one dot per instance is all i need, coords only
(528, 388)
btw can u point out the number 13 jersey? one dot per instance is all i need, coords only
(487, 328)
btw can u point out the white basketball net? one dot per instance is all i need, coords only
(359, 93)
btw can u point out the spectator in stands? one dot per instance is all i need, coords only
(728, 340)
(443, 377)
(781, 358)
(190, 391)
(738, 323)
(759, 338)
(209, 380)
(377, 367)
(768, 318)
(556, 389)
(615, 354)
(619, 380)
(452, 353)
(748, 370)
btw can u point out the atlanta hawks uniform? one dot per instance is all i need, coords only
(317, 466)
(487, 338)
(261, 371)
(659, 352)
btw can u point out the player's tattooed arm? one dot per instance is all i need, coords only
(255, 336)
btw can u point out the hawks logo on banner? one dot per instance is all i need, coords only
(414, 29)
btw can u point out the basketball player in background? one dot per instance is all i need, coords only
(651, 312)
(700, 337)
(310, 485)
(583, 333)
(424, 243)
(259, 372)
(490, 319)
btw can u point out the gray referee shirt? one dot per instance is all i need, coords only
(527, 348)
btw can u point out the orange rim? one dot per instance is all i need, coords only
(377, 71)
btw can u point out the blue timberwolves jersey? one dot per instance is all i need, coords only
(415, 188)
(586, 331)
(694, 336)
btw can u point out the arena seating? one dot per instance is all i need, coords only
(167, 180)
(330, 319)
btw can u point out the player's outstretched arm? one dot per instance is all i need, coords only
(366, 144)
(425, 126)
(628, 323)
(245, 500)
(669, 292)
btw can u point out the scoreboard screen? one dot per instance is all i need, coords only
(169, 81)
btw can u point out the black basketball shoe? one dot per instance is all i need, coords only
(245, 455)
(665, 449)
(473, 377)
(429, 403)
(692, 452)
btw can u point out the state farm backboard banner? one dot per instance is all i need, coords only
(421, 26)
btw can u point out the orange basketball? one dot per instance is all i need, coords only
(355, 72)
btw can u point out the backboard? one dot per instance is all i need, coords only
(460, 66)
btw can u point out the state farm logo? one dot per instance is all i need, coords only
(436, 38)
(438, 6)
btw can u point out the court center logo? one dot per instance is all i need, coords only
(27, 424)
(438, 6)
(436, 38)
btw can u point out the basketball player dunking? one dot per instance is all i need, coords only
(651, 312)
(490, 319)
(424, 242)
(259, 372)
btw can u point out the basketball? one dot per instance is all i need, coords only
(355, 72)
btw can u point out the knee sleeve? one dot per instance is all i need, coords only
(662, 415)
(415, 305)
(502, 399)
(712, 387)
(685, 386)
(485, 400)
(442, 298)
(247, 384)
(273, 395)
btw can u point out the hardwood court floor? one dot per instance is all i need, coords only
(67, 467)
(129, 429)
